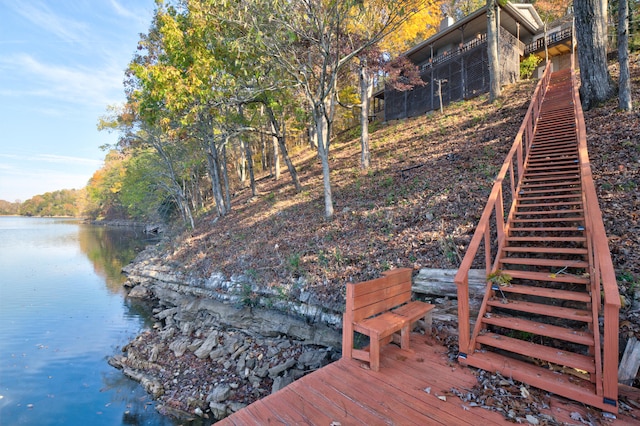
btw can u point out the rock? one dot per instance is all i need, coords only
(179, 346)
(236, 406)
(167, 333)
(139, 292)
(532, 420)
(218, 410)
(210, 343)
(219, 393)
(193, 346)
(166, 313)
(151, 385)
(313, 359)
(217, 353)
(155, 351)
(262, 371)
(280, 382)
(275, 371)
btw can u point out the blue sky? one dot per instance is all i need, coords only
(62, 63)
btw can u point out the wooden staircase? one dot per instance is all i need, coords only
(539, 322)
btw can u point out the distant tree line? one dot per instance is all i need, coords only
(62, 203)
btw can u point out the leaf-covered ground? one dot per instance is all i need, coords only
(416, 207)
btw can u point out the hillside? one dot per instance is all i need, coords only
(416, 207)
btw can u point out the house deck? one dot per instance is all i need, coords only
(411, 388)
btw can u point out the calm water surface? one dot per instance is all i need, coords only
(62, 314)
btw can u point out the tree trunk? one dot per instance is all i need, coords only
(366, 90)
(591, 32)
(280, 137)
(224, 170)
(492, 51)
(276, 157)
(624, 82)
(248, 156)
(216, 187)
(322, 133)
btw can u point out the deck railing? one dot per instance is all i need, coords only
(602, 274)
(513, 167)
(552, 39)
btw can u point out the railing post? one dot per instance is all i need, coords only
(499, 209)
(463, 315)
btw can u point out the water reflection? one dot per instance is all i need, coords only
(62, 313)
(109, 249)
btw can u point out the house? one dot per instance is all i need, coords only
(454, 65)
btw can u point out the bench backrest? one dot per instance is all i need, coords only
(368, 298)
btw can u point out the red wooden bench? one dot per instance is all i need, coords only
(380, 308)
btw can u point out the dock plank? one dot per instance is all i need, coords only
(349, 393)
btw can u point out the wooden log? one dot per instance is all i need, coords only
(630, 362)
(439, 282)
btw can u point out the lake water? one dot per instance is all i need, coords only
(62, 314)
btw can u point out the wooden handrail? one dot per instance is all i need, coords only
(514, 165)
(602, 275)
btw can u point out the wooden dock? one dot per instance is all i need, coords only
(412, 388)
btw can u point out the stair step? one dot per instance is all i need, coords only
(541, 329)
(550, 250)
(550, 293)
(555, 382)
(527, 179)
(542, 309)
(532, 261)
(546, 353)
(551, 166)
(548, 212)
(545, 276)
(549, 239)
(547, 191)
(526, 185)
(565, 203)
(548, 229)
(550, 220)
(552, 197)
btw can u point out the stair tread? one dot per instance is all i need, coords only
(549, 239)
(546, 353)
(551, 293)
(544, 276)
(532, 261)
(549, 220)
(547, 229)
(555, 250)
(541, 329)
(542, 309)
(540, 377)
(544, 212)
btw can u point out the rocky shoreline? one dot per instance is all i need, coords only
(214, 347)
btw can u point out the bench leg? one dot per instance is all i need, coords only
(374, 352)
(428, 323)
(405, 335)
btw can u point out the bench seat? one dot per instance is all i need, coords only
(416, 310)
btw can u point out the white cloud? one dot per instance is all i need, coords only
(121, 10)
(40, 15)
(80, 84)
(50, 158)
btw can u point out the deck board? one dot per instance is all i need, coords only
(349, 393)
